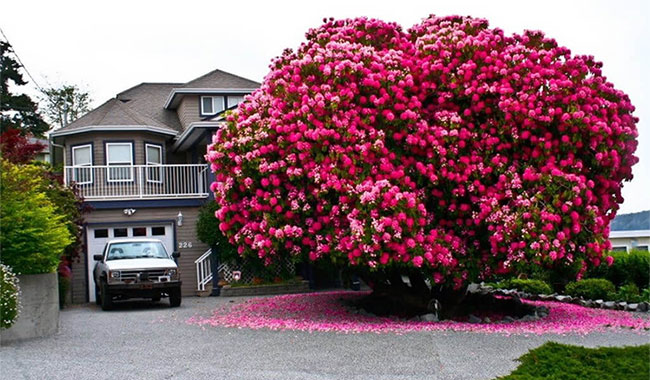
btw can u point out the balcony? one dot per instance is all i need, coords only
(128, 182)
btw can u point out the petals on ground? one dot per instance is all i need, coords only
(326, 311)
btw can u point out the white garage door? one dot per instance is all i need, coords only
(98, 236)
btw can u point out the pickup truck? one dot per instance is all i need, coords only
(136, 268)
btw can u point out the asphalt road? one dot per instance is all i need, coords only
(152, 341)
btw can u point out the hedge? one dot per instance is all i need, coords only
(628, 268)
(592, 288)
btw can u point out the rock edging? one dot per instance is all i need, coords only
(643, 307)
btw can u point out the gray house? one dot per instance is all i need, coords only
(138, 161)
(630, 231)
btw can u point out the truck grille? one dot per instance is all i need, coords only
(141, 275)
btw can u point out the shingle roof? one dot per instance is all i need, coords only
(144, 104)
(638, 221)
(115, 113)
(149, 98)
(220, 79)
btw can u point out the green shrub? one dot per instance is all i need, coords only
(592, 288)
(9, 297)
(632, 267)
(645, 295)
(64, 286)
(33, 235)
(528, 286)
(207, 230)
(628, 293)
(558, 361)
(637, 267)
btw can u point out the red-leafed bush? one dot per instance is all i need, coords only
(449, 150)
(16, 148)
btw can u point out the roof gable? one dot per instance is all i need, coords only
(220, 79)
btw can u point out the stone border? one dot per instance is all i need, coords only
(39, 316)
(263, 290)
(643, 307)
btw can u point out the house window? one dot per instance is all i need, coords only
(153, 157)
(82, 156)
(642, 247)
(212, 105)
(157, 231)
(119, 155)
(619, 249)
(101, 233)
(119, 232)
(233, 101)
(140, 231)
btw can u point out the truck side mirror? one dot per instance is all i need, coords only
(98, 257)
(176, 254)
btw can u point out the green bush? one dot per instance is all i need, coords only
(592, 288)
(558, 361)
(629, 293)
(645, 295)
(528, 286)
(632, 267)
(9, 297)
(207, 230)
(64, 286)
(33, 235)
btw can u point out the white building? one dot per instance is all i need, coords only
(630, 231)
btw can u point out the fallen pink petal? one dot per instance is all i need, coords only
(326, 311)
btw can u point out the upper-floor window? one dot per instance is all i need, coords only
(234, 100)
(82, 155)
(212, 105)
(153, 157)
(120, 155)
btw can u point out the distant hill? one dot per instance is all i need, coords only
(631, 222)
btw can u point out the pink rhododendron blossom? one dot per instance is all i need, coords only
(451, 147)
(326, 312)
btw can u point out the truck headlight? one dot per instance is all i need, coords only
(171, 272)
(115, 274)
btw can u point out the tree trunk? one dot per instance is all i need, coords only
(392, 296)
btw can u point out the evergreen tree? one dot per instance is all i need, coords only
(16, 111)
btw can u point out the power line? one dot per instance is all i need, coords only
(21, 62)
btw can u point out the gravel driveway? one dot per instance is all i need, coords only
(151, 341)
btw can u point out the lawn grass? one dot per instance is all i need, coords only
(559, 361)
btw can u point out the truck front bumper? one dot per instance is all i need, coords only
(144, 289)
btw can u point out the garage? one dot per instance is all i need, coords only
(98, 235)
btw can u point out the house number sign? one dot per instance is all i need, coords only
(184, 244)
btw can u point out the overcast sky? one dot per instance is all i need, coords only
(106, 47)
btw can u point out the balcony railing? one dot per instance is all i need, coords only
(116, 182)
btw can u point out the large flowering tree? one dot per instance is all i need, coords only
(450, 151)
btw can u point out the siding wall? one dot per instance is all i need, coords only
(188, 110)
(184, 233)
(99, 139)
(627, 242)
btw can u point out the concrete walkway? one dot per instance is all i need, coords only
(145, 341)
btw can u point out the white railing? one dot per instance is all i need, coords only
(139, 181)
(203, 270)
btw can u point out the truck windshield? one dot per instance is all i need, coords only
(136, 250)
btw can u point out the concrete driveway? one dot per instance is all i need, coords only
(152, 341)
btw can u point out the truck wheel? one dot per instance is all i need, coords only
(98, 296)
(106, 300)
(175, 298)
